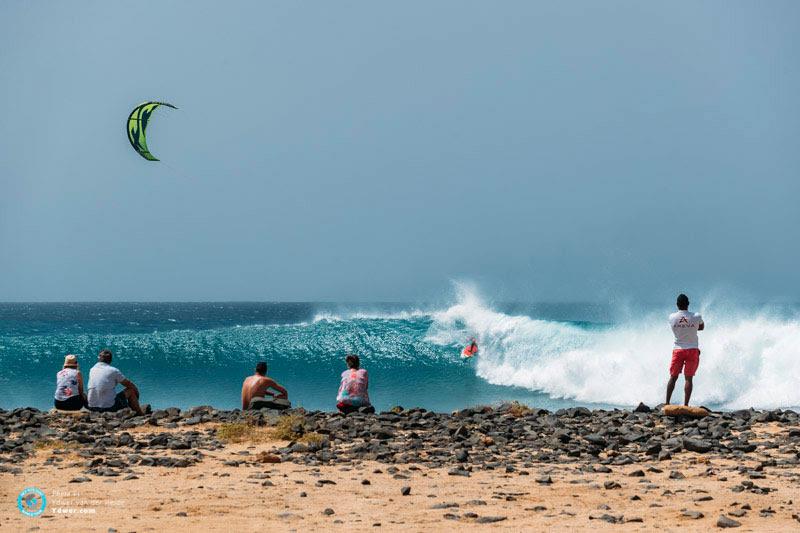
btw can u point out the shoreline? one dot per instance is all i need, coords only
(508, 467)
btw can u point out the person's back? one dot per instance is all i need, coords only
(103, 381)
(66, 384)
(254, 386)
(685, 326)
(258, 386)
(353, 389)
(69, 386)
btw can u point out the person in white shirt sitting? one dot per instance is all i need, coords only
(103, 381)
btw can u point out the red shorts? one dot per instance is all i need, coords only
(687, 359)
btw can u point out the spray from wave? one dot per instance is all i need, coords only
(748, 358)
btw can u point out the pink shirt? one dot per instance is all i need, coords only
(353, 389)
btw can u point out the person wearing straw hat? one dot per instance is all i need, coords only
(69, 386)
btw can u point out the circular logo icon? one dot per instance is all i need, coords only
(31, 502)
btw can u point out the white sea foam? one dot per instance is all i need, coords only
(748, 358)
(367, 315)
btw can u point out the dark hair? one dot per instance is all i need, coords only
(261, 368)
(683, 302)
(352, 361)
(105, 355)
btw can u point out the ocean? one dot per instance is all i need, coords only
(550, 356)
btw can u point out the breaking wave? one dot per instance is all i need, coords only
(747, 358)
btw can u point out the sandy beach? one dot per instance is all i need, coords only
(239, 485)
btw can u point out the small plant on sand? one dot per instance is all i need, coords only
(313, 438)
(50, 444)
(289, 427)
(518, 410)
(236, 432)
(65, 451)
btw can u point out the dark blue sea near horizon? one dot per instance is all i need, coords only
(550, 356)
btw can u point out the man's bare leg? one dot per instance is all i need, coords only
(133, 401)
(687, 389)
(671, 387)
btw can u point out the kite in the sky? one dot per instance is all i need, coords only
(137, 124)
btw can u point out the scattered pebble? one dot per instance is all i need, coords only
(490, 519)
(723, 521)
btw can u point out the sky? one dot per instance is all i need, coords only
(375, 151)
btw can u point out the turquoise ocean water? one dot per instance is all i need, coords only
(552, 356)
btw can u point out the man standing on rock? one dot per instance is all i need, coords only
(685, 352)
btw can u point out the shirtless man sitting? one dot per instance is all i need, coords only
(258, 385)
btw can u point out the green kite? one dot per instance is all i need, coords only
(137, 124)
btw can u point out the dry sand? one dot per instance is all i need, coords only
(214, 497)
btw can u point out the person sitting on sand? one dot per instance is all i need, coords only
(353, 393)
(685, 353)
(103, 381)
(258, 385)
(69, 386)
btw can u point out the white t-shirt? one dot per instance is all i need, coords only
(103, 380)
(684, 325)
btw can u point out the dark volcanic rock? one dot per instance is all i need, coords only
(605, 517)
(160, 440)
(503, 438)
(490, 519)
(696, 445)
(724, 522)
(458, 472)
(597, 440)
(444, 505)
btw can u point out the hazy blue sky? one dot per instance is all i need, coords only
(375, 150)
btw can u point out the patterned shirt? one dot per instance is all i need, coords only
(353, 389)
